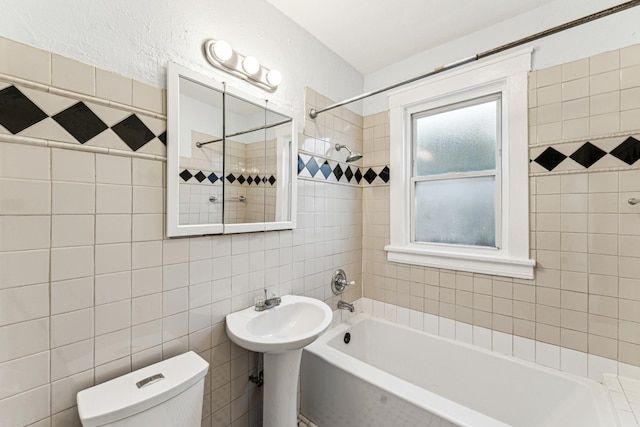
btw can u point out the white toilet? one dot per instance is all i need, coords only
(166, 394)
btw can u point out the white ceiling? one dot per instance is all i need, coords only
(371, 34)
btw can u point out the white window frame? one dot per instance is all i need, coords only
(507, 75)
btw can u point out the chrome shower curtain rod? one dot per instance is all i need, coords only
(242, 132)
(313, 113)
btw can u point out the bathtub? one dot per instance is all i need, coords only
(391, 375)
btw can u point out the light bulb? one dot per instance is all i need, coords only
(222, 50)
(274, 77)
(251, 65)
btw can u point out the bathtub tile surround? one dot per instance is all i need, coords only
(338, 126)
(89, 287)
(584, 167)
(588, 259)
(318, 158)
(549, 355)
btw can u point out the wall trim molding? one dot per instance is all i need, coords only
(79, 96)
(25, 140)
(585, 138)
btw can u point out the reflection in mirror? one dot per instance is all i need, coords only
(230, 159)
(244, 161)
(200, 120)
(279, 140)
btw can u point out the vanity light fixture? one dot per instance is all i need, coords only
(222, 50)
(274, 77)
(221, 55)
(251, 65)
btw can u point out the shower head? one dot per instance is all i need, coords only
(352, 157)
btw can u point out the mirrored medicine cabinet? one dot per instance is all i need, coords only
(231, 159)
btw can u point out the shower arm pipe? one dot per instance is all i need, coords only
(200, 144)
(313, 113)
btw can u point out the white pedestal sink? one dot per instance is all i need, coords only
(280, 333)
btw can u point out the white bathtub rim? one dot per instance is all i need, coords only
(468, 416)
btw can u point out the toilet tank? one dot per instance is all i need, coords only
(166, 394)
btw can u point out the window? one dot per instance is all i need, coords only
(456, 174)
(459, 144)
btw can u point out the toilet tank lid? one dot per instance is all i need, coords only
(121, 397)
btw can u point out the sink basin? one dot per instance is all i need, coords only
(280, 333)
(295, 323)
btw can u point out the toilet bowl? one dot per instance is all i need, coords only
(166, 394)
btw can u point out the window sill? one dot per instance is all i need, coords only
(520, 268)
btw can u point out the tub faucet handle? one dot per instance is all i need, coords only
(343, 282)
(339, 281)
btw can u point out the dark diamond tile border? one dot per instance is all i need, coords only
(384, 174)
(550, 158)
(17, 111)
(628, 151)
(358, 175)
(209, 177)
(337, 171)
(200, 176)
(322, 169)
(348, 173)
(370, 175)
(82, 123)
(588, 154)
(625, 154)
(133, 132)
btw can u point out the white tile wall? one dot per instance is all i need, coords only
(90, 289)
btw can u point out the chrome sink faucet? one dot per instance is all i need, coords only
(267, 302)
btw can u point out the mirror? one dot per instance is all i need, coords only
(230, 159)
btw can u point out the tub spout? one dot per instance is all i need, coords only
(343, 305)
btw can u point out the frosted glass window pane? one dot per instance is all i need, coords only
(460, 140)
(456, 211)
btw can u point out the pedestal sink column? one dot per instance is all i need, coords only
(281, 371)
